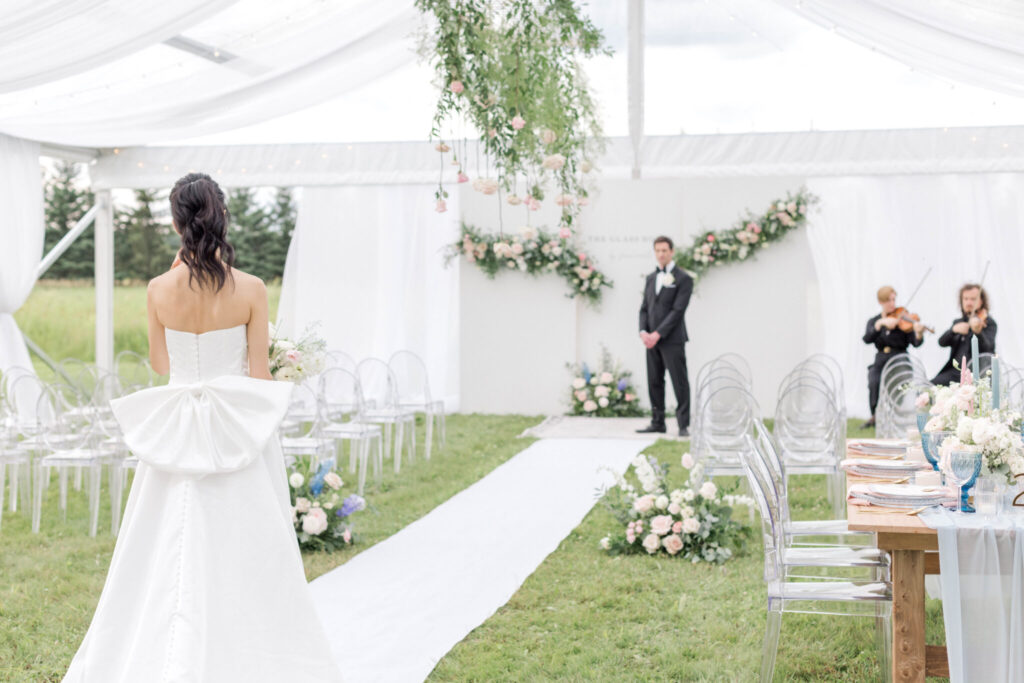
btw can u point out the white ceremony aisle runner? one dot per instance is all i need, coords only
(395, 610)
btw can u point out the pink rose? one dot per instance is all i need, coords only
(547, 136)
(441, 206)
(514, 200)
(652, 543)
(294, 355)
(711, 238)
(442, 147)
(347, 536)
(661, 525)
(518, 122)
(674, 509)
(333, 480)
(643, 504)
(581, 256)
(462, 177)
(581, 396)
(456, 87)
(302, 505)
(922, 401)
(687, 461)
(553, 162)
(630, 537)
(564, 200)
(492, 133)
(673, 544)
(629, 397)
(315, 522)
(691, 525)
(677, 527)
(564, 233)
(757, 229)
(582, 201)
(532, 203)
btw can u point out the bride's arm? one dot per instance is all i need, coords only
(158, 358)
(258, 333)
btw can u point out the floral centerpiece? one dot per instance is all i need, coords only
(321, 513)
(965, 409)
(296, 360)
(693, 521)
(533, 251)
(609, 392)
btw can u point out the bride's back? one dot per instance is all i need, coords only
(202, 292)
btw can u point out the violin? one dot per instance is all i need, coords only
(982, 315)
(907, 320)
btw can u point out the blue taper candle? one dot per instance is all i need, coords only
(995, 383)
(974, 357)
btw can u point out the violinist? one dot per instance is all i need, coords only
(893, 331)
(975, 322)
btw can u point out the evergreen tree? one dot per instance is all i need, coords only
(143, 246)
(253, 237)
(66, 203)
(283, 215)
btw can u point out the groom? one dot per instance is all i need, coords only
(663, 332)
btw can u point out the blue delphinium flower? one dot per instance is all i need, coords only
(317, 484)
(353, 503)
(586, 373)
(622, 384)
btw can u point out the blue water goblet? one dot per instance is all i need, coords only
(931, 442)
(965, 467)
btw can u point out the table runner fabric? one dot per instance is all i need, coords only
(982, 577)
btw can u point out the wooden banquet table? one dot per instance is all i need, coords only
(914, 549)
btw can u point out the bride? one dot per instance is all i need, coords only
(206, 581)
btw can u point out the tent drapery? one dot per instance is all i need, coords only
(21, 225)
(977, 42)
(952, 150)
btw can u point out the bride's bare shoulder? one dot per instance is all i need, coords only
(248, 284)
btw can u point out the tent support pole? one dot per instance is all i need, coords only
(635, 30)
(105, 281)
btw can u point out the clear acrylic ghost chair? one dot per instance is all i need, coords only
(133, 369)
(413, 387)
(896, 412)
(740, 363)
(17, 460)
(837, 372)
(67, 445)
(340, 396)
(303, 435)
(809, 595)
(712, 375)
(340, 359)
(1011, 382)
(809, 435)
(801, 531)
(377, 383)
(725, 422)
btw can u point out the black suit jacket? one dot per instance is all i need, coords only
(960, 344)
(664, 312)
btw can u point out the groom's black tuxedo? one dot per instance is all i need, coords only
(663, 312)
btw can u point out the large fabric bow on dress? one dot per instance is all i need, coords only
(208, 427)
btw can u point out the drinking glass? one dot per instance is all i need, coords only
(922, 420)
(964, 467)
(988, 496)
(931, 442)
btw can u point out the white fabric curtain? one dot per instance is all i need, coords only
(250, 62)
(46, 40)
(978, 42)
(982, 577)
(21, 233)
(874, 231)
(366, 263)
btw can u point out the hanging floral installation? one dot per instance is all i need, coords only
(511, 70)
(534, 251)
(747, 237)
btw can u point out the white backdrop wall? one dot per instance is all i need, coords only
(519, 332)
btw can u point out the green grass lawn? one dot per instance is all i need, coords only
(582, 616)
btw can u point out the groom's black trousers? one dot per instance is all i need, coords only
(671, 357)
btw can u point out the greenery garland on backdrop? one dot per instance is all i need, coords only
(748, 236)
(512, 71)
(533, 251)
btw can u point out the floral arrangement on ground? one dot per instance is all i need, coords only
(513, 72)
(608, 392)
(321, 515)
(965, 409)
(533, 251)
(747, 237)
(694, 521)
(296, 360)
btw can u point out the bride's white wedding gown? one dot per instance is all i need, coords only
(206, 581)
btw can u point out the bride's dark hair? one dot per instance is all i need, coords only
(199, 211)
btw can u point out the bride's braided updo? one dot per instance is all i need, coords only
(200, 213)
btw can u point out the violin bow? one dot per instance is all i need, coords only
(984, 273)
(918, 288)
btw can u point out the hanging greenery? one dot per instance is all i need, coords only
(511, 69)
(532, 251)
(747, 237)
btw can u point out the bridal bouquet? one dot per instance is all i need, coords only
(321, 513)
(609, 392)
(693, 521)
(296, 360)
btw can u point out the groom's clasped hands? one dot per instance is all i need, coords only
(650, 339)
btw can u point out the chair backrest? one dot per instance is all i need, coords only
(807, 420)
(304, 408)
(62, 418)
(23, 396)
(725, 418)
(340, 359)
(377, 382)
(339, 393)
(133, 368)
(410, 373)
(772, 531)
(7, 379)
